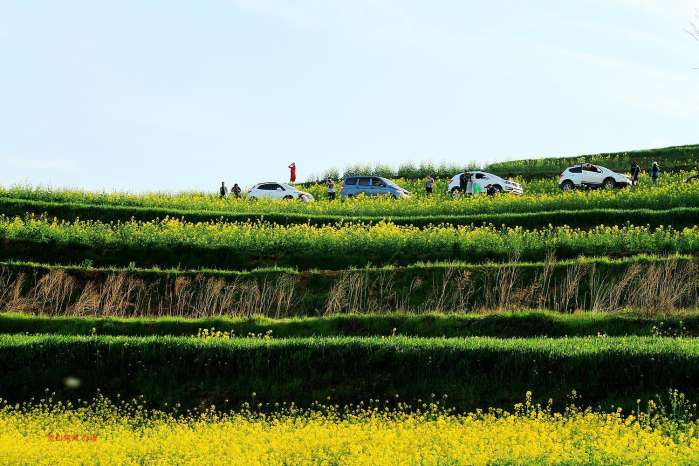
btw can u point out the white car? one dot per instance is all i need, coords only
(483, 179)
(272, 190)
(586, 175)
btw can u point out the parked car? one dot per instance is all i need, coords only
(371, 186)
(271, 190)
(483, 179)
(586, 175)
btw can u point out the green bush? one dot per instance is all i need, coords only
(470, 372)
(518, 324)
(671, 159)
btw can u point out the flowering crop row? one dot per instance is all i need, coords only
(50, 433)
(247, 245)
(672, 192)
(678, 217)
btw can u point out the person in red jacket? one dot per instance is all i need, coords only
(292, 176)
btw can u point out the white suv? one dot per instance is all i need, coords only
(591, 176)
(272, 190)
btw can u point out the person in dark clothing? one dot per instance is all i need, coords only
(491, 190)
(331, 189)
(223, 190)
(236, 190)
(464, 181)
(635, 173)
(429, 185)
(654, 172)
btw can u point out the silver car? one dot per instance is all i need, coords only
(371, 186)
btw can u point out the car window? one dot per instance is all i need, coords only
(350, 181)
(480, 176)
(364, 181)
(591, 168)
(267, 187)
(378, 183)
(575, 170)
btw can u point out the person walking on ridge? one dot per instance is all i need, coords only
(331, 189)
(223, 190)
(654, 172)
(635, 172)
(292, 172)
(429, 185)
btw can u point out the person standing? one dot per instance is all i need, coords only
(464, 182)
(635, 172)
(236, 190)
(331, 189)
(292, 172)
(223, 190)
(654, 172)
(429, 185)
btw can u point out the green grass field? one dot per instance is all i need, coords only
(468, 372)
(187, 298)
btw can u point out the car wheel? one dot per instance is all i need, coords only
(567, 185)
(609, 183)
(455, 191)
(498, 189)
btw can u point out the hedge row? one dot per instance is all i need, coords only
(678, 217)
(177, 244)
(671, 159)
(471, 372)
(656, 284)
(520, 324)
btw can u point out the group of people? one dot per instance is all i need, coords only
(654, 172)
(223, 190)
(468, 187)
(236, 191)
(466, 184)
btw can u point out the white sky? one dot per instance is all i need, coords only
(179, 95)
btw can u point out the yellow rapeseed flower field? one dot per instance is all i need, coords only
(53, 434)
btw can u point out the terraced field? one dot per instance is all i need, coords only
(299, 320)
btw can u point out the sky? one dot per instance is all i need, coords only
(177, 95)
